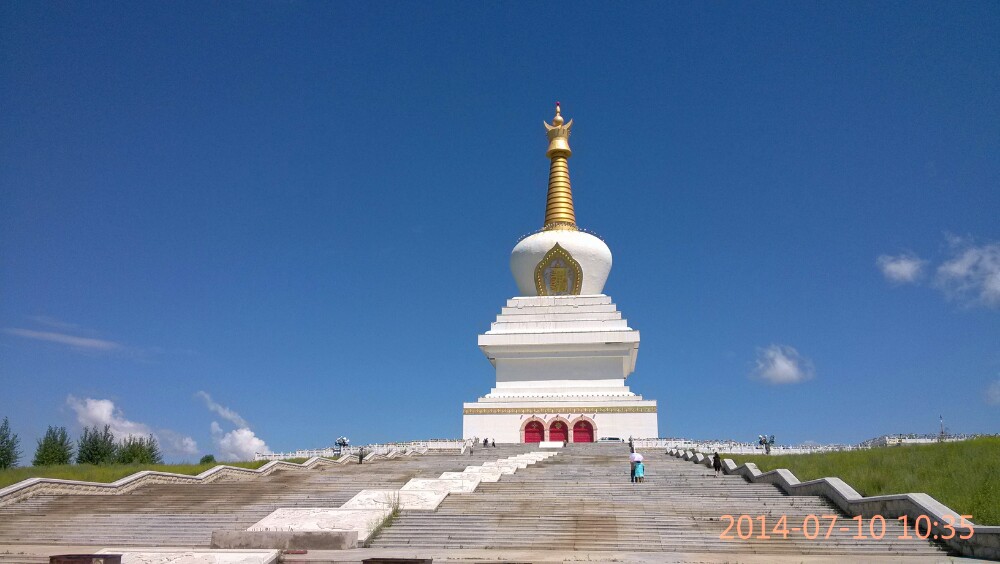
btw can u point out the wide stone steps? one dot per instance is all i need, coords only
(583, 500)
(186, 514)
(580, 499)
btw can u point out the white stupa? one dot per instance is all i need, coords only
(561, 349)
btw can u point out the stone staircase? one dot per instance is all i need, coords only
(186, 514)
(583, 500)
(579, 500)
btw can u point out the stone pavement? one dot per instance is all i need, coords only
(576, 506)
(40, 555)
(582, 500)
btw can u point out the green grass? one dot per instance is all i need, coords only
(377, 525)
(963, 475)
(109, 473)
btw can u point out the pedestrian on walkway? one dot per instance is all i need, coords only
(640, 472)
(633, 459)
(717, 464)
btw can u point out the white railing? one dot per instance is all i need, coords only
(732, 447)
(378, 448)
(722, 447)
(735, 447)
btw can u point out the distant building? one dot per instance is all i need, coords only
(561, 349)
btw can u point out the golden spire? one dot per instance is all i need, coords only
(559, 204)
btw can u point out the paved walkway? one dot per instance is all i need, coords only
(582, 500)
(577, 506)
(40, 555)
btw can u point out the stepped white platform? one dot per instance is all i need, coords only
(366, 510)
(561, 364)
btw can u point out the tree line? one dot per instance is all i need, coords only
(95, 446)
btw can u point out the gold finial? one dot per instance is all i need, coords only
(559, 204)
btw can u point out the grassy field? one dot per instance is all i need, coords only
(110, 473)
(963, 475)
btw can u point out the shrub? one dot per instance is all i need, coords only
(138, 450)
(9, 453)
(96, 446)
(54, 448)
(207, 459)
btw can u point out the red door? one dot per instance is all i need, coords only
(583, 432)
(534, 432)
(557, 432)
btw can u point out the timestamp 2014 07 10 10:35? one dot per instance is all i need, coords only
(746, 527)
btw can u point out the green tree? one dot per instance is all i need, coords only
(138, 450)
(207, 459)
(9, 453)
(96, 446)
(54, 448)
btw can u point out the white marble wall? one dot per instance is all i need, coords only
(506, 428)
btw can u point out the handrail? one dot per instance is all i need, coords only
(979, 542)
(56, 486)
(377, 448)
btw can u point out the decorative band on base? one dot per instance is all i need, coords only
(555, 410)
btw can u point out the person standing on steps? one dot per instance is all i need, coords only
(717, 464)
(493, 443)
(634, 459)
(361, 456)
(640, 472)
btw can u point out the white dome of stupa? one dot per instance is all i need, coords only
(560, 259)
(593, 256)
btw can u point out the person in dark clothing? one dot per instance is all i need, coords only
(361, 456)
(717, 464)
(493, 443)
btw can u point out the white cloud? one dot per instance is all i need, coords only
(176, 444)
(906, 268)
(781, 364)
(972, 274)
(101, 412)
(54, 323)
(240, 444)
(993, 393)
(223, 411)
(85, 343)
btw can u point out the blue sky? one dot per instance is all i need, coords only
(235, 224)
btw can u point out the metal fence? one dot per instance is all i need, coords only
(733, 447)
(378, 448)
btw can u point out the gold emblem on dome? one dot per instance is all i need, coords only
(558, 274)
(558, 280)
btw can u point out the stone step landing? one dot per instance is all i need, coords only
(365, 513)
